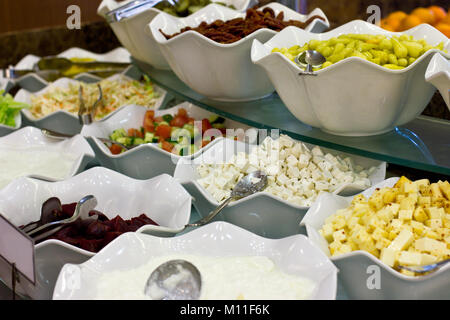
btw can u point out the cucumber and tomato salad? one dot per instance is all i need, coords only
(179, 134)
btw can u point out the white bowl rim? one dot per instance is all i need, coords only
(223, 224)
(30, 117)
(377, 261)
(98, 170)
(431, 74)
(369, 27)
(84, 152)
(272, 5)
(256, 195)
(154, 146)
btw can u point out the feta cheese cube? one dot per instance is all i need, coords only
(409, 258)
(402, 241)
(388, 256)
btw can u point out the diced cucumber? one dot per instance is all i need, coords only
(184, 141)
(167, 118)
(138, 141)
(218, 125)
(149, 137)
(118, 134)
(216, 119)
(125, 140)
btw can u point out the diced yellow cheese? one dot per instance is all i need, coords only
(409, 258)
(388, 256)
(382, 243)
(422, 182)
(407, 272)
(327, 232)
(420, 214)
(445, 188)
(407, 203)
(402, 241)
(430, 245)
(338, 223)
(399, 184)
(434, 223)
(436, 191)
(435, 212)
(418, 227)
(405, 214)
(410, 187)
(427, 259)
(389, 195)
(339, 235)
(424, 201)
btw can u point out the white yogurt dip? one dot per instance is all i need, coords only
(19, 161)
(223, 278)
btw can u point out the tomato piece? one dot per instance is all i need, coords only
(205, 143)
(135, 133)
(191, 121)
(149, 126)
(163, 131)
(182, 113)
(115, 149)
(178, 121)
(206, 125)
(158, 119)
(167, 146)
(150, 114)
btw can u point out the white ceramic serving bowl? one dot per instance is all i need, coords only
(161, 198)
(261, 213)
(62, 120)
(356, 268)
(220, 71)
(352, 97)
(147, 160)
(294, 255)
(116, 55)
(29, 137)
(131, 31)
(438, 74)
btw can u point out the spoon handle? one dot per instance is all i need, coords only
(211, 216)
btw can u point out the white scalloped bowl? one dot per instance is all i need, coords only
(31, 81)
(131, 31)
(295, 255)
(220, 71)
(357, 268)
(353, 97)
(62, 120)
(161, 198)
(77, 146)
(261, 213)
(438, 74)
(147, 160)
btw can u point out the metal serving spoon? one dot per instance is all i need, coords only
(248, 185)
(309, 59)
(189, 283)
(61, 136)
(82, 209)
(174, 280)
(427, 268)
(59, 63)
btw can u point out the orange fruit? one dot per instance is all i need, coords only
(387, 26)
(410, 22)
(439, 13)
(426, 15)
(397, 15)
(444, 28)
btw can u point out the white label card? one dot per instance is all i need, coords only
(17, 247)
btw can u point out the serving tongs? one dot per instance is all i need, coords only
(38, 230)
(52, 68)
(133, 8)
(87, 115)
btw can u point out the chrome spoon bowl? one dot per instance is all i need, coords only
(309, 59)
(174, 280)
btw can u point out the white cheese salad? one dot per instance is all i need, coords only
(295, 173)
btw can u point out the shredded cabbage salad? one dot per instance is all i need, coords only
(116, 93)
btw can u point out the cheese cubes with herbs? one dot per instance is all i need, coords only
(295, 173)
(408, 224)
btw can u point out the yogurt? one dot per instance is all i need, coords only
(223, 278)
(19, 161)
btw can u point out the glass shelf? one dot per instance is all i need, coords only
(424, 143)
